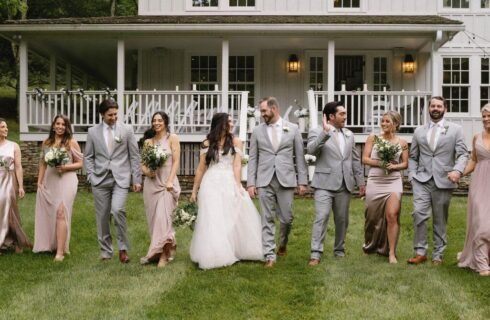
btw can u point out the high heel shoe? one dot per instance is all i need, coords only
(59, 258)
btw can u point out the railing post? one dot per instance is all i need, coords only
(312, 108)
(23, 82)
(331, 71)
(120, 78)
(225, 56)
(243, 117)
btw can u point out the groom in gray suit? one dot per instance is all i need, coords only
(276, 167)
(338, 169)
(112, 163)
(437, 159)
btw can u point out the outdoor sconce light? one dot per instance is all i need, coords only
(408, 64)
(293, 63)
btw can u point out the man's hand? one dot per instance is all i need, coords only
(137, 187)
(301, 189)
(252, 191)
(326, 126)
(362, 191)
(454, 176)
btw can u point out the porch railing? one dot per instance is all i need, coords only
(365, 108)
(190, 112)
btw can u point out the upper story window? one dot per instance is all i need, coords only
(457, 4)
(204, 3)
(485, 82)
(346, 3)
(380, 73)
(242, 3)
(456, 83)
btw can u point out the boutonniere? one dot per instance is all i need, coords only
(285, 129)
(444, 129)
(118, 139)
(347, 134)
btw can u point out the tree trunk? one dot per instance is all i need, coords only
(113, 8)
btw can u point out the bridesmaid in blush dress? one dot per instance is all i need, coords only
(476, 251)
(161, 192)
(56, 191)
(11, 185)
(384, 191)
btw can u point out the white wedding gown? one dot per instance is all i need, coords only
(228, 226)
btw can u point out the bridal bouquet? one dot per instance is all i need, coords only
(185, 214)
(56, 157)
(310, 159)
(153, 157)
(387, 151)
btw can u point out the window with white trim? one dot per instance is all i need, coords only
(485, 4)
(204, 3)
(204, 72)
(380, 73)
(456, 83)
(241, 76)
(485, 82)
(316, 78)
(242, 3)
(346, 3)
(456, 4)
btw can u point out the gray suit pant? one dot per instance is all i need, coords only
(325, 200)
(275, 197)
(425, 196)
(110, 198)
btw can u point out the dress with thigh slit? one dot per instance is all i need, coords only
(57, 190)
(380, 186)
(476, 251)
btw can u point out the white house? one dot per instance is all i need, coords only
(192, 58)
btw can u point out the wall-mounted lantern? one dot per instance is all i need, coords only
(293, 63)
(408, 64)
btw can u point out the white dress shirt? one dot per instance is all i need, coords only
(106, 132)
(339, 135)
(278, 127)
(439, 126)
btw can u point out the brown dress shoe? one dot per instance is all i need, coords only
(269, 264)
(436, 263)
(314, 262)
(123, 256)
(282, 252)
(417, 259)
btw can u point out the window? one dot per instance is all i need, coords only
(485, 82)
(241, 76)
(456, 4)
(346, 3)
(204, 72)
(485, 4)
(380, 73)
(316, 82)
(242, 3)
(204, 3)
(455, 84)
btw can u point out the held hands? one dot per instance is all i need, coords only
(454, 176)
(362, 191)
(136, 187)
(61, 169)
(326, 126)
(301, 189)
(392, 166)
(252, 191)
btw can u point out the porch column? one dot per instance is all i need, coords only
(52, 72)
(23, 82)
(120, 78)
(225, 62)
(68, 76)
(434, 61)
(331, 71)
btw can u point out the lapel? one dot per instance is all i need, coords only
(423, 133)
(101, 140)
(442, 135)
(284, 133)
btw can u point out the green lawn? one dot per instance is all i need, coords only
(356, 287)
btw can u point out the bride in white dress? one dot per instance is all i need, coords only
(228, 226)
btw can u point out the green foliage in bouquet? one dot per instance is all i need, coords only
(185, 214)
(387, 151)
(153, 157)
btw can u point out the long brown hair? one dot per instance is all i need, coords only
(220, 128)
(65, 141)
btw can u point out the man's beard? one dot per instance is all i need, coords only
(436, 117)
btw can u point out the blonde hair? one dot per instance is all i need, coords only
(486, 108)
(395, 118)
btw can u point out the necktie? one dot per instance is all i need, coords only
(274, 140)
(341, 141)
(432, 140)
(110, 139)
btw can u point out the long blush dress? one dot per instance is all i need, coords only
(11, 233)
(379, 188)
(159, 207)
(476, 251)
(58, 190)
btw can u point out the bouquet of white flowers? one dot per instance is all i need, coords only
(56, 157)
(301, 113)
(387, 151)
(310, 159)
(153, 157)
(244, 160)
(185, 214)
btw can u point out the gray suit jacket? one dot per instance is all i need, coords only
(123, 161)
(450, 154)
(288, 162)
(331, 166)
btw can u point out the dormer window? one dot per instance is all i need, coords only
(346, 3)
(204, 3)
(242, 3)
(456, 4)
